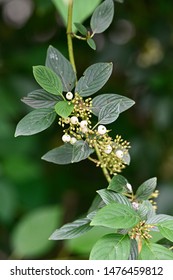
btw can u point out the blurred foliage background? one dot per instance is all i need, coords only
(36, 197)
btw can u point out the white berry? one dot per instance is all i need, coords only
(102, 129)
(74, 120)
(83, 124)
(119, 153)
(108, 149)
(84, 129)
(66, 138)
(73, 140)
(129, 187)
(69, 95)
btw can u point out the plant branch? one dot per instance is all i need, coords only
(104, 169)
(69, 35)
(93, 160)
(79, 37)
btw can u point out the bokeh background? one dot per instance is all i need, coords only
(36, 197)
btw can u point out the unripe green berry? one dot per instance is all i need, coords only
(67, 120)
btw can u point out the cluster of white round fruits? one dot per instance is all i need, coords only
(113, 153)
(83, 128)
(101, 130)
(66, 138)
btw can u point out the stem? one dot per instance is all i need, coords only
(79, 37)
(93, 160)
(69, 35)
(104, 169)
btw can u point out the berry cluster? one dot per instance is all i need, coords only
(112, 154)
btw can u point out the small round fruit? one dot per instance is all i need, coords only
(74, 120)
(102, 129)
(108, 149)
(83, 124)
(73, 140)
(119, 153)
(69, 95)
(66, 138)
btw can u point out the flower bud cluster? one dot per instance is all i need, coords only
(82, 108)
(154, 195)
(141, 230)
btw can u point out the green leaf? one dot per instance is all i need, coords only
(166, 229)
(72, 230)
(133, 250)
(41, 99)
(62, 67)
(84, 243)
(63, 108)
(81, 151)
(81, 28)
(36, 121)
(91, 43)
(68, 153)
(60, 155)
(108, 113)
(116, 216)
(96, 204)
(111, 247)
(146, 210)
(95, 76)
(82, 9)
(111, 196)
(30, 236)
(118, 184)
(102, 100)
(152, 251)
(102, 16)
(146, 189)
(47, 79)
(92, 214)
(159, 218)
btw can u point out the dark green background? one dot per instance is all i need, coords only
(140, 44)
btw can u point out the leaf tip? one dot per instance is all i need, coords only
(16, 133)
(92, 223)
(43, 157)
